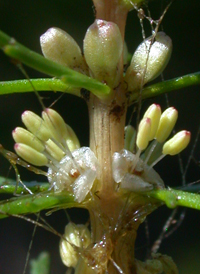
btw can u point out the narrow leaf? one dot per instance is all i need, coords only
(167, 86)
(35, 203)
(38, 62)
(44, 84)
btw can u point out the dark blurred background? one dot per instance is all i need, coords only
(26, 21)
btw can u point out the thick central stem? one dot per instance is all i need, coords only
(107, 122)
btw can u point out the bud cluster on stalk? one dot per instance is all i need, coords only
(49, 142)
(102, 48)
(135, 173)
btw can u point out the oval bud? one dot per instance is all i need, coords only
(130, 136)
(30, 155)
(103, 47)
(177, 143)
(149, 60)
(21, 135)
(76, 236)
(54, 150)
(167, 122)
(36, 125)
(58, 46)
(154, 113)
(143, 135)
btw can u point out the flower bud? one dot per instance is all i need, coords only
(72, 140)
(54, 150)
(143, 135)
(129, 140)
(60, 131)
(167, 122)
(103, 47)
(154, 113)
(58, 46)
(36, 125)
(149, 58)
(78, 236)
(55, 123)
(30, 155)
(21, 135)
(177, 143)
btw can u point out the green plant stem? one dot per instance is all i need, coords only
(173, 198)
(43, 84)
(167, 86)
(35, 203)
(39, 63)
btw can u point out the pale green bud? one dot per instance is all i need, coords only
(21, 135)
(54, 150)
(177, 143)
(167, 122)
(55, 123)
(143, 135)
(103, 47)
(72, 140)
(78, 236)
(59, 130)
(36, 125)
(148, 61)
(30, 155)
(154, 113)
(58, 46)
(130, 136)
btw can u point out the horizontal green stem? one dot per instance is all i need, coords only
(167, 86)
(44, 84)
(35, 203)
(173, 198)
(36, 61)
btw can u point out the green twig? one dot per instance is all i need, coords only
(167, 86)
(36, 203)
(39, 63)
(173, 198)
(44, 84)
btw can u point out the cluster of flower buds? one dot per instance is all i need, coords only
(135, 173)
(148, 61)
(76, 237)
(103, 47)
(50, 142)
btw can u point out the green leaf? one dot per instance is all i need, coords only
(37, 202)
(167, 86)
(173, 198)
(8, 186)
(38, 62)
(41, 265)
(43, 84)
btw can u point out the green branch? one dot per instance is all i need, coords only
(46, 84)
(38, 62)
(167, 86)
(35, 203)
(173, 198)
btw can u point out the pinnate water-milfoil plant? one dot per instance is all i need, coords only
(113, 178)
